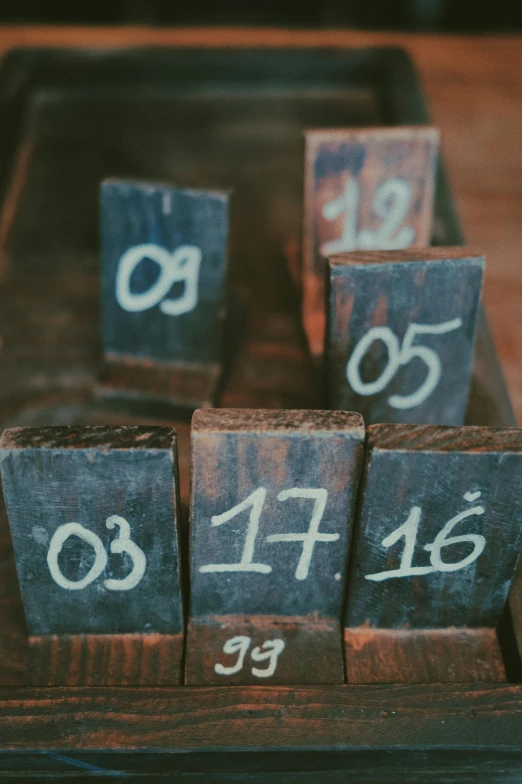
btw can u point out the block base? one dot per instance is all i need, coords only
(180, 385)
(105, 660)
(312, 651)
(423, 656)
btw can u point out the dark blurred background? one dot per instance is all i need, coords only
(436, 15)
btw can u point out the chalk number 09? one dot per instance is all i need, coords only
(399, 355)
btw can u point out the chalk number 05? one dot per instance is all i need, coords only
(399, 355)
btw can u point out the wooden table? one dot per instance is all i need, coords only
(473, 86)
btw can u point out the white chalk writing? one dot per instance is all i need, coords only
(308, 538)
(122, 544)
(397, 357)
(391, 203)
(269, 651)
(409, 531)
(181, 266)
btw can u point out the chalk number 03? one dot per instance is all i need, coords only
(397, 356)
(409, 531)
(122, 544)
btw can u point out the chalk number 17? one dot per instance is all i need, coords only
(255, 502)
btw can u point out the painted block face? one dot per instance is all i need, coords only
(164, 259)
(273, 496)
(440, 528)
(93, 516)
(401, 331)
(365, 189)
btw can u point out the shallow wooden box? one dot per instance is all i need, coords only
(217, 117)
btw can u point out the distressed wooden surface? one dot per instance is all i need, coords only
(174, 386)
(348, 203)
(435, 288)
(423, 656)
(473, 86)
(432, 470)
(312, 654)
(51, 354)
(57, 476)
(105, 660)
(169, 219)
(240, 566)
(481, 721)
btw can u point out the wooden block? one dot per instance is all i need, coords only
(164, 261)
(401, 330)
(370, 189)
(93, 514)
(437, 541)
(272, 503)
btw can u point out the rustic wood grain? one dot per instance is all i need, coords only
(50, 358)
(367, 160)
(150, 213)
(237, 453)
(176, 385)
(313, 650)
(474, 100)
(411, 628)
(486, 716)
(423, 656)
(399, 291)
(105, 660)
(57, 476)
(514, 616)
(183, 235)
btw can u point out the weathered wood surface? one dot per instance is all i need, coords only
(174, 387)
(473, 98)
(330, 767)
(371, 733)
(423, 656)
(371, 188)
(93, 516)
(459, 75)
(438, 534)
(105, 660)
(50, 355)
(515, 613)
(272, 503)
(164, 260)
(311, 650)
(401, 331)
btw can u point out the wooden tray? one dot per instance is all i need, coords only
(207, 118)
